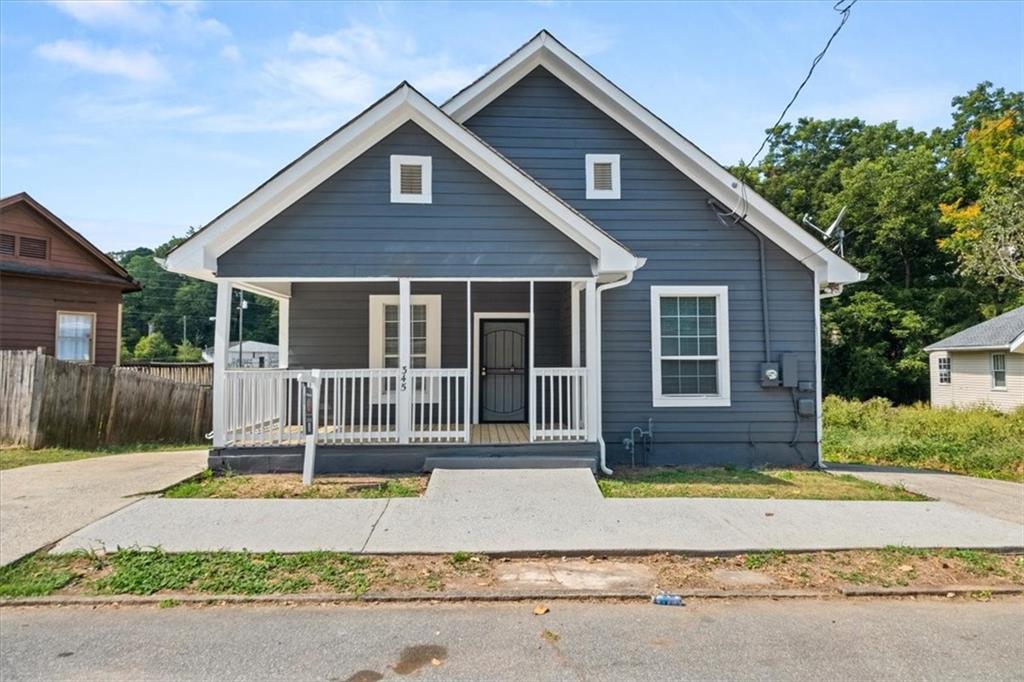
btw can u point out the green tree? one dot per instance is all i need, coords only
(187, 352)
(153, 347)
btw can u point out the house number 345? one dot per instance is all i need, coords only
(405, 370)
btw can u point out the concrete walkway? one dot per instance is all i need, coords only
(40, 504)
(539, 511)
(999, 499)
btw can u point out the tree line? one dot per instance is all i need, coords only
(935, 218)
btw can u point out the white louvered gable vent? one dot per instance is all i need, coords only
(411, 178)
(603, 176)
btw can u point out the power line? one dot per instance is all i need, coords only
(841, 6)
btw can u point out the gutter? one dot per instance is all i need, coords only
(597, 361)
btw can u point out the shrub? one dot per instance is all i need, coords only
(976, 441)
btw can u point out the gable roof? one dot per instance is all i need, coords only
(197, 256)
(1005, 332)
(544, 50)
(119, 273)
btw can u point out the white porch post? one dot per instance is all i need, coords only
(283, 314)
(221, 335)
(574, 306)
(467, 389)
(405, 387)
(593, 389)
(532, 404)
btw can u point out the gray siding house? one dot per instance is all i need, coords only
(540, 271)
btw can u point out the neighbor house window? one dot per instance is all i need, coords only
(998, 365)
(76, 334)
(424, 336)
(411, 179)
(945, 371)
(690, 344)
(603, 176)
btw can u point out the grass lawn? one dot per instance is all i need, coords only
(769, 483)
(22, 457)
(977, 441)
(282, 486)
(217, 573)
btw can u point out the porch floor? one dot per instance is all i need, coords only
(499, 434)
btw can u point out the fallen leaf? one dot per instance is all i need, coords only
(540, 610)
(435, 661)
(950, 595)
(906, 568)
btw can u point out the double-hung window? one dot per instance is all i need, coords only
(76, 333)
(690, 346)
(945, 371)
(998, 367)
(424, 331)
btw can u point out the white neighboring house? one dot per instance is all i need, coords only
(254, 354)
(982, 365)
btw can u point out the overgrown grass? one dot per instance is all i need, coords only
(37, 575)
(283, 486)
(11, 458)
(747, 483)
(976, 441)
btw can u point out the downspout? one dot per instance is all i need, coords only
(597, 361)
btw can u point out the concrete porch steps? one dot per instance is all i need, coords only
(511, 462)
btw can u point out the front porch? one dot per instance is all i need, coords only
(466, 367)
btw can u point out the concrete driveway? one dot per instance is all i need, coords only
(998, 499)
(43, 503)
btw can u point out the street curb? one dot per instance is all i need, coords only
(929, 591)
(543, 595)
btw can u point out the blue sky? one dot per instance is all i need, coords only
(133, 121)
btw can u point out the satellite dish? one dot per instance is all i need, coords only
(833, 233)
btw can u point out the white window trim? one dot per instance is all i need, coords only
(723, 397)
(992, 371)
(948, 370)
(433, 303)
(397, 161)
(92, 336)
(616, 189)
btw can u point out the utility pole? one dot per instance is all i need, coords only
(242, 305)
(184, 328)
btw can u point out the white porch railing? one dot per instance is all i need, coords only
(439, 406)
(262, 408)
(354, 407)
(357, 406)
(559, 411)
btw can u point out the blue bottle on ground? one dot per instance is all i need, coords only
(667, 600)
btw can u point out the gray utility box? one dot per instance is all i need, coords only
(790, 370)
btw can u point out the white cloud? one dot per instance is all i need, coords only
(231, 53)
(366, 61)
(918, 107)
(138, 65)
(180, 17)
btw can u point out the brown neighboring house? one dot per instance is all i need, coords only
(58, 291)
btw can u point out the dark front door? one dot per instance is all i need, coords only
(503, 363)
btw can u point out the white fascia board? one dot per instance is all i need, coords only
(198, 257)
(1017, 345)
(545, 51)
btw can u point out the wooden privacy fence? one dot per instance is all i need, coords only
(199, 373)
(45, 402)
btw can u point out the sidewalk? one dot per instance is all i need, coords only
(534, 511)
(42, 503)
(999, 499)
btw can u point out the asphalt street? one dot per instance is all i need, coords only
(891, 640)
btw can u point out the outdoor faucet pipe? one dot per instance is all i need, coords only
(597, 361)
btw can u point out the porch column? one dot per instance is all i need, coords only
(283, 314)
(531, 405)
(221, 334)
(593, 359)
(467, 388)
(574, 305)
(405, 387)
